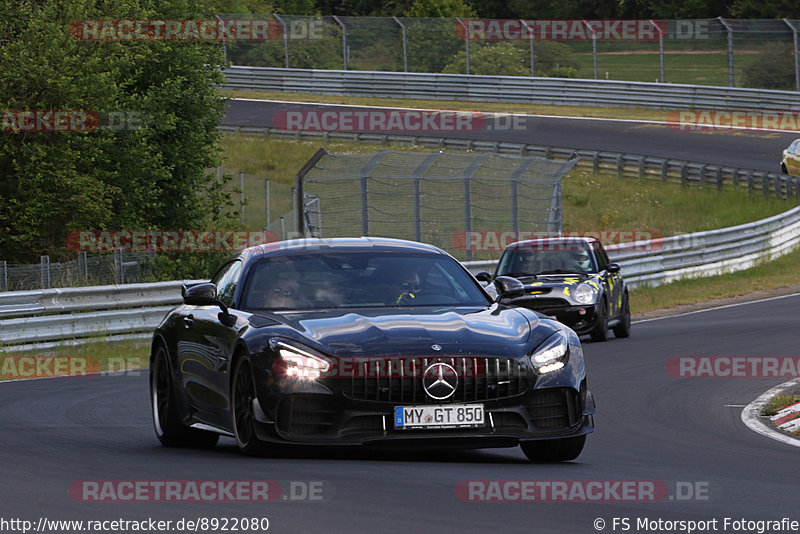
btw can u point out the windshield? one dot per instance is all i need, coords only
(575, 258)
(360, 279)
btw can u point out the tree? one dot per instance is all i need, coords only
(145, 171)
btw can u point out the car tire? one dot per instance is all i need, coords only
(783, 168)
(623, 329)
(169, 428)
(243, 391)
(600, 330)
(554, 450)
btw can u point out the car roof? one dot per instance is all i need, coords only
(552, 241)
(339, 244)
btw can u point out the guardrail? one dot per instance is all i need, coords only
(660, 261)
(512, 89)
(628, 165)
(28, 317)
(83, 312)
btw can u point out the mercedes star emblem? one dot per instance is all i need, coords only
(440, 381)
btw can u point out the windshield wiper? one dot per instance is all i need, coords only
(561, 271)
(516, 274)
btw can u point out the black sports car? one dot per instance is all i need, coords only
(365, 341)
(571, 279)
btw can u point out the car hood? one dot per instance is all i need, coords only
(494, 331)
(557, 285)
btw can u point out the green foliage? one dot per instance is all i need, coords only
(774, 68)
(500, 59)
(148, 176)
(513, 59)
(441, 8)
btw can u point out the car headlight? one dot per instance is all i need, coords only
(552, 354)
(298, 363)
(585, 294)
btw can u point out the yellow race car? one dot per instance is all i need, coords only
(790, 163)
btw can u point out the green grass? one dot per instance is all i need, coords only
(778, 402)
(590, 201)
(778, 273)
(679, 67)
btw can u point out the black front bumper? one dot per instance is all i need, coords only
(334, 419)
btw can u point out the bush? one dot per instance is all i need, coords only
(774, 68)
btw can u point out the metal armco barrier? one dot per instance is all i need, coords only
(84, 312)
(28, 317)
(698, 254)
(629, 165)
(513, 89)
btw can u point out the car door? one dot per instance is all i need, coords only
(207, 346)
(793, 158)
(612, 282)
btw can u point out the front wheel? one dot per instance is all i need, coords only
(553, 450)
(623, 329)
(244, 421)
(170, 430)
(600, 330)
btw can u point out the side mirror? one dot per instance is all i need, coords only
(612, 267)
(508, 287)
(200, 295)
(483, 277)
(206, 295)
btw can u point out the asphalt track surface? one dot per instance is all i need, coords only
(747, 149)
(678, 432)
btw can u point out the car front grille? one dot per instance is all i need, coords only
(544, 303)
(400, 380)
(554, 408)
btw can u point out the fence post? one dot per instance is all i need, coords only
(730, 50)
(266, 186)
(83, 265)
(4, 275)
(285, 29)
(241, 187)
(594, 46)
(224, 46)
(45, 272)
(533, 58)
(120, 276)
(664, 170)
(660, 50)
(620, 166)
(344, 41)
(466, 40)
(405, 45)
(796, 52)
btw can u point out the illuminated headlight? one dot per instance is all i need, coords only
(552, 355)
(299, 363)
(585, 294)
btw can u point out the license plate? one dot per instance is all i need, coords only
(444, 416)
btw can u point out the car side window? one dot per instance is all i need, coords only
(795, 148)
(226, 280)
(600, 256)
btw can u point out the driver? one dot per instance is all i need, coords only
(404, 285)
(582, 261)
